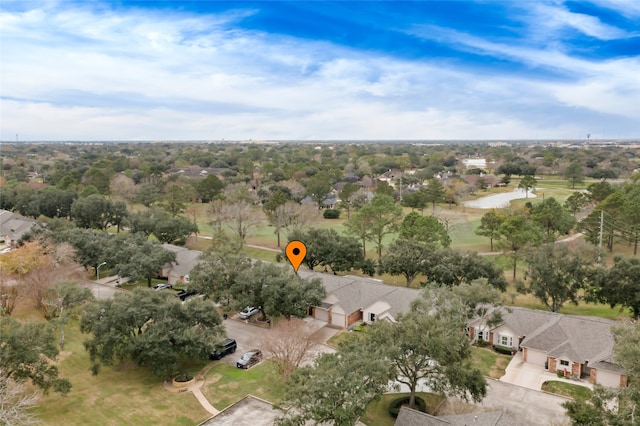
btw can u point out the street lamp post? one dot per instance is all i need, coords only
(98, 276)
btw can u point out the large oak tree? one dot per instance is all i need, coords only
(151, 328)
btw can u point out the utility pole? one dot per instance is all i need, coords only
(600, 236)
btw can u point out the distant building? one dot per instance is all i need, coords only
(13, 226)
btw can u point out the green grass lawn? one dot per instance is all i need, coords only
(226, 384)
(489, 362)
(567, 389)
(116, 396)
(377, 412)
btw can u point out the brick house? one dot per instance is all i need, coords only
(580, 347)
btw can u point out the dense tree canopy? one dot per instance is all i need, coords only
(557, 274)
(419, 347)
(159, 330)
(337, 387)
(620, 285)
(424, 229)
(218, 273)
(409, 258)
(96, 211)
(325, 247)
(277, 291)
(28, 353)
(553, 218)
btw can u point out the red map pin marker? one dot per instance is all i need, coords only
(296, 251)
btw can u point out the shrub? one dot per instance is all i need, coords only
(331, 214)
(396, 404)
(482, 343)
(184, 377)
(503, 349)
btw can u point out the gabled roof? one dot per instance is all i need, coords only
(185, 259)
(577, 338)
(357, 293)
(580, 339)
(409, 417)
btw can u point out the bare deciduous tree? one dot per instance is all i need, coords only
(36, 284)
(8, 294)
(290, 342)
(214, 214)
(240, 216)
(16, 404)
(289, 215)
(123, 187)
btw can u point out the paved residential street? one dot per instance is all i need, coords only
(100, 291)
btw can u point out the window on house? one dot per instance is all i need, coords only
(506, 341)
(372, 317)
(564, 363)
(480, 335)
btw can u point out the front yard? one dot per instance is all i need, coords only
(226, 384)
(489, 362)
(567, 389)
(126, 394)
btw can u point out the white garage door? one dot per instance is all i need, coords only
(337, 319)
(607, 378)
(536, 357)
(321, 314)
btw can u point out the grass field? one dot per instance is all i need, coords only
(226, 384)
(567, 389)
(489, 362)
(121, 395)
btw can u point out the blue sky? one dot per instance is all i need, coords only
(212, 70)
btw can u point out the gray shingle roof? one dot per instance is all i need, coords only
(14, 226)
(409, 417)
(355, 293)
(185, 259)
(577, 338)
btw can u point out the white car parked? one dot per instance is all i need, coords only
(248, 312)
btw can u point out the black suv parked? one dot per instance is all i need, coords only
(185, 294)
(228, 347)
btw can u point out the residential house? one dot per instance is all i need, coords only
(13, 226)
(580, 347)
(410, 417)
(178, 271)
(327, 203)
(351, 300)
(197, 172)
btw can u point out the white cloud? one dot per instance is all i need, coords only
(627, 8)
(80, 74)
(546, 19)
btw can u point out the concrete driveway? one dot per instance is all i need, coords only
(531, 376)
